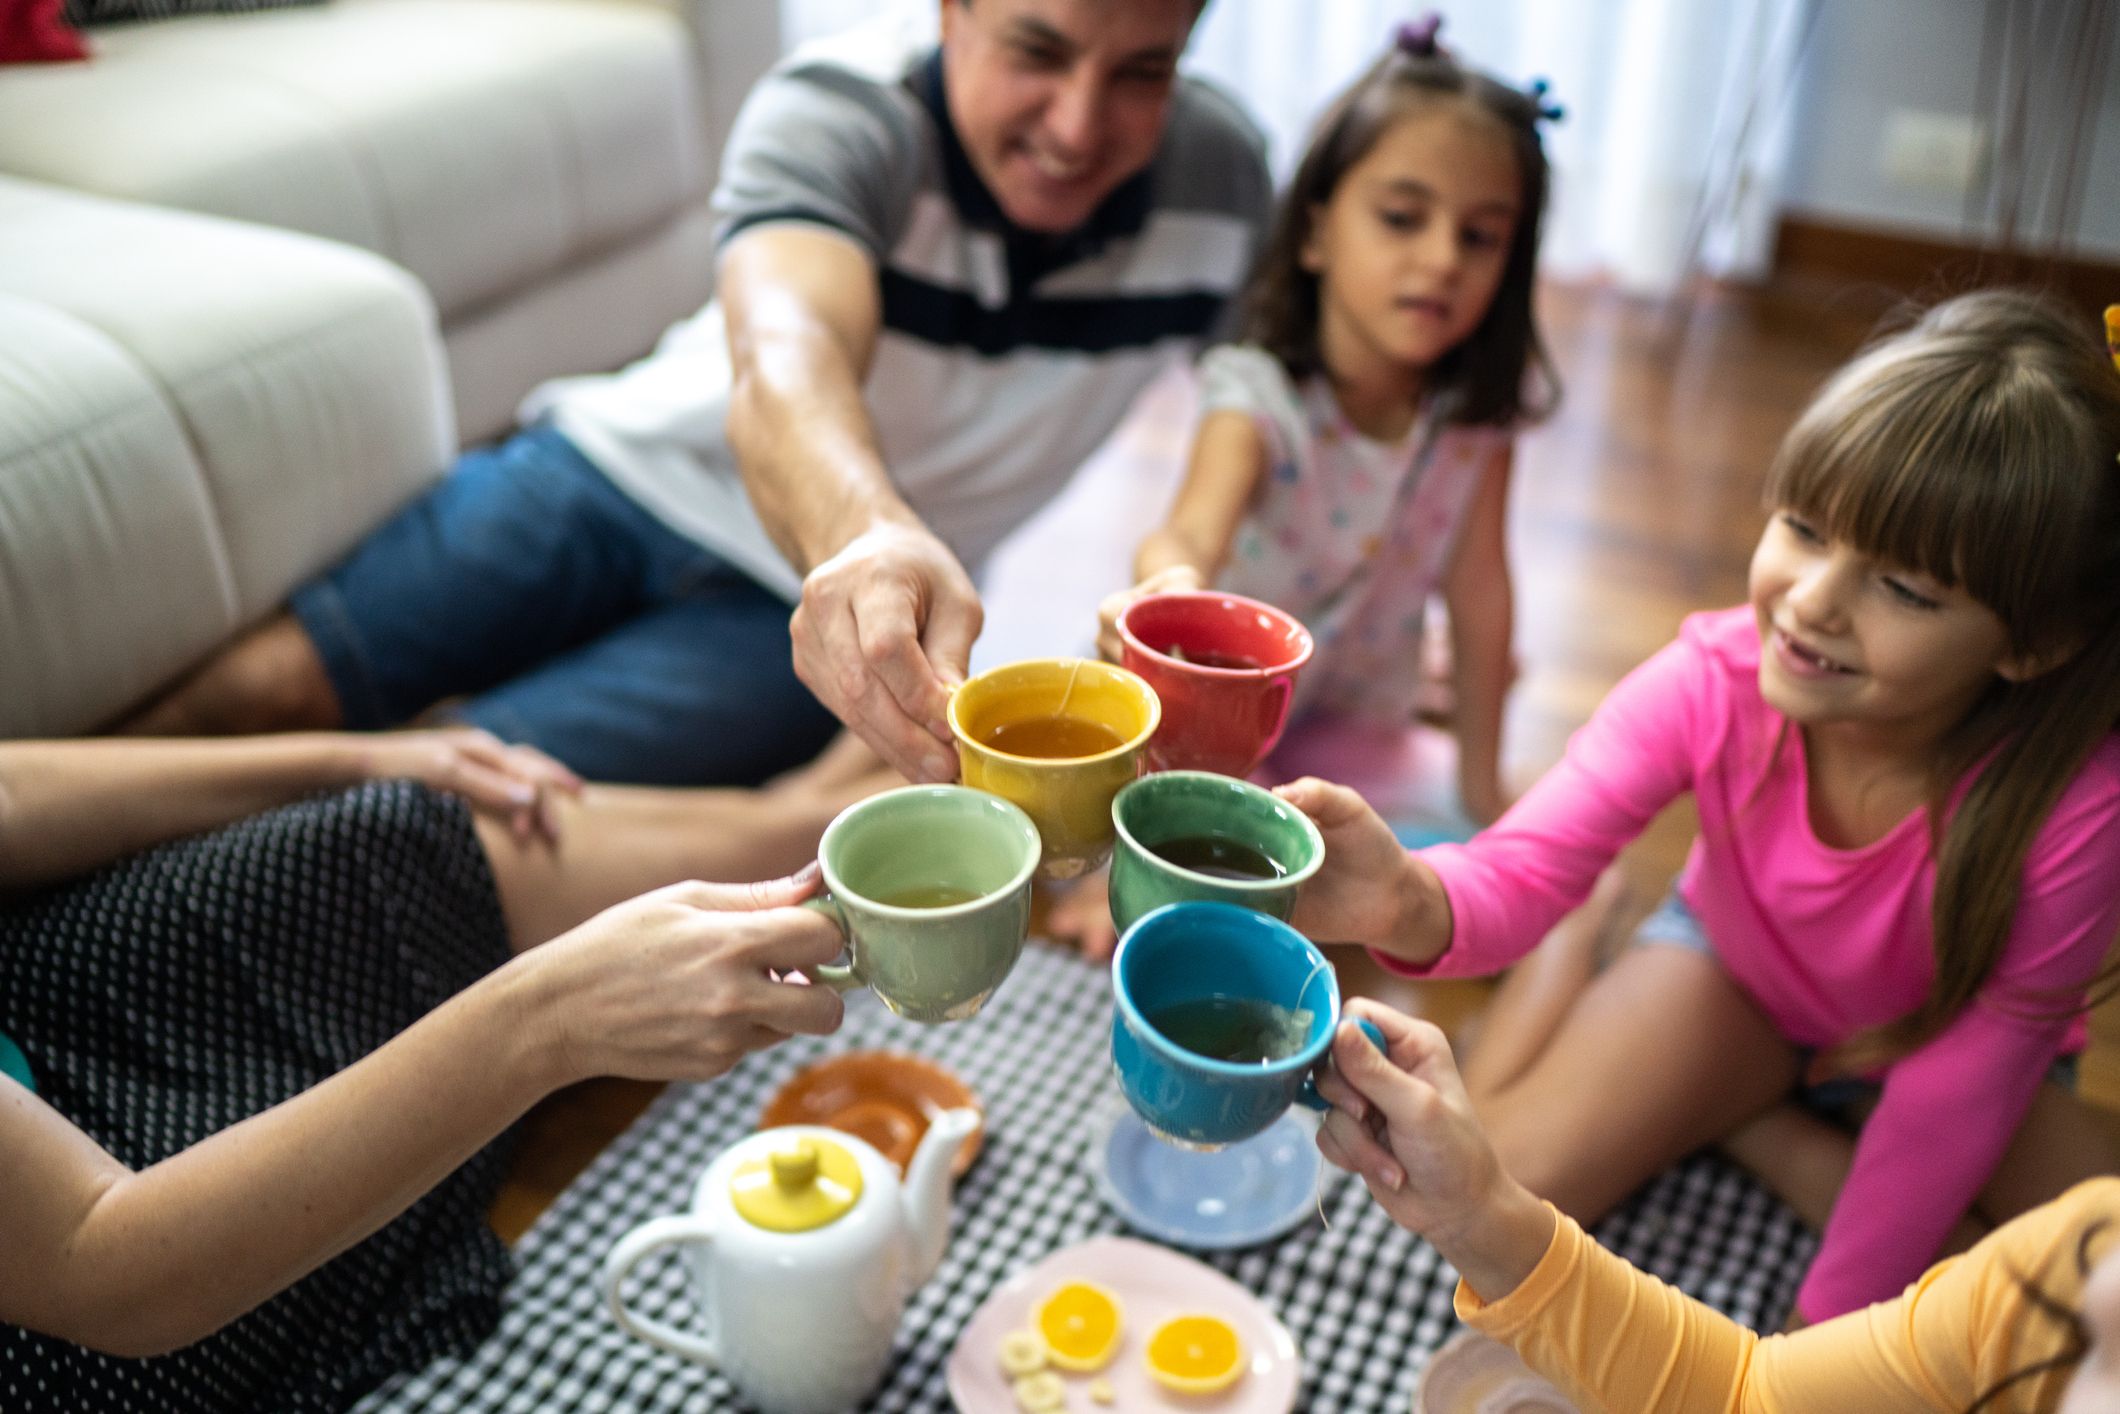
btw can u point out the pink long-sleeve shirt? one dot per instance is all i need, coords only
(1826, 941)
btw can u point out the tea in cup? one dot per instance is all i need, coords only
(1224, 667)
(1058, 737)
(1194, 835)
(931, 885)
(1221, 1015)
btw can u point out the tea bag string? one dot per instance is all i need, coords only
(1074, 671)
(1322, 965)
(1318, 1196)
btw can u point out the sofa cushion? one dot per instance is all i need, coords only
(480, 143)
(106, 12)
(194, 415)
(36, 32)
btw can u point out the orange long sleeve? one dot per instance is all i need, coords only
(1616, 1338)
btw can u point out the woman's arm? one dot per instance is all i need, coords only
(1614, 1337)
(677, 984)
(70, 806)
(1189, 549)
(1482, 619)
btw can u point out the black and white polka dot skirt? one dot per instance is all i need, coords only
(180, 991)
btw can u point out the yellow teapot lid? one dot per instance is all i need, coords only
(796, 1186)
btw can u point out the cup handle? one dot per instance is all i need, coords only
(1308, 1096)
(628, 1251)
(838, 976)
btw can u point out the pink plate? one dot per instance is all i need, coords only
(1153, 1284)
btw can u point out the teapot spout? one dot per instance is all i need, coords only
(927, 1190)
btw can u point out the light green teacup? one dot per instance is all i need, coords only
(931, 885)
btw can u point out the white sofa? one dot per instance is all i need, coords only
(261, 274)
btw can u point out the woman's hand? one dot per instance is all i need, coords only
(1402, 1121)
(1167, 581)
(1359, 894)
(511, 783)
(682, 983)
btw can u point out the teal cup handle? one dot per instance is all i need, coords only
(1308, 1097)
(839, 976)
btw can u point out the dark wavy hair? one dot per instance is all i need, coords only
(2075, 1341)
(1488, 372)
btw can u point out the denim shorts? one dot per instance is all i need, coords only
(1673, 924)
(556, 611)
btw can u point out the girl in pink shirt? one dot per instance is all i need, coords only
(1903, 757)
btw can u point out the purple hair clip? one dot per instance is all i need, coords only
(1550, 112)
(1418, 38)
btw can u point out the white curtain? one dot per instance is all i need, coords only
(1670, 157)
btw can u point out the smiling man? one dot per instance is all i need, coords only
(944, 272)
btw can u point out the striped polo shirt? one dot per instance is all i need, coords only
(1005, 356)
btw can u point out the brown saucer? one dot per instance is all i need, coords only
(883, 1097)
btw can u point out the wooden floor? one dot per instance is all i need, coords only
(1637, 504)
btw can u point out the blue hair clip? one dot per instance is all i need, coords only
(1418, 38)
(1549, 112)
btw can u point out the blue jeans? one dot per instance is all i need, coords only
(569, 618)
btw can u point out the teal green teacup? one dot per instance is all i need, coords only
(1194, 836)
(931, 885)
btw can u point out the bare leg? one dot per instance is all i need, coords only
(268, 680)
(1082, 915)
(847, 764)
(2064, 1140)
(1660, 1054)
(620, 841)
(1802, 1159)
(1538, 992)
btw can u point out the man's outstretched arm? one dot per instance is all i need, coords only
(888, 615)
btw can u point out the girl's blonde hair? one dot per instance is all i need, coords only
(1981, 447)
(1488, 372)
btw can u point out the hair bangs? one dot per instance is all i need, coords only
(1916, 458)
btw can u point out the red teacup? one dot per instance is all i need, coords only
(1224, 667)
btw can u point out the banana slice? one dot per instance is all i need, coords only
(1101, 1392)
(1040, 1393)
(1023, 1352)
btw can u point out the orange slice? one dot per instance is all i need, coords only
(1080, 1323)
(1195, 1354)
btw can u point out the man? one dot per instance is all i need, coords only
(943, 274)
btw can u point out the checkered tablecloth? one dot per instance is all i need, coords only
(1367, 1302)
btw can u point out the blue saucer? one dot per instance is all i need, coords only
(1235, 1197)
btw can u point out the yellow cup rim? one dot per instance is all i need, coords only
(1122, 675)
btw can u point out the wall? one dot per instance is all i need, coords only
(1869, 57)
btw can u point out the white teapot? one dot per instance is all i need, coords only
(803, 1246)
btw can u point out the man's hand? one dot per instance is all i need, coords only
(882, 637)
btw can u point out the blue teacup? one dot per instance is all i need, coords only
(1222, 1015)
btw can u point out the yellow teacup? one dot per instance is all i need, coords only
(1058, 737)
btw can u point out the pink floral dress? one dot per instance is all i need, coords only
(1349, 534)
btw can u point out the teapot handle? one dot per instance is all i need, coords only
(625, 1254)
